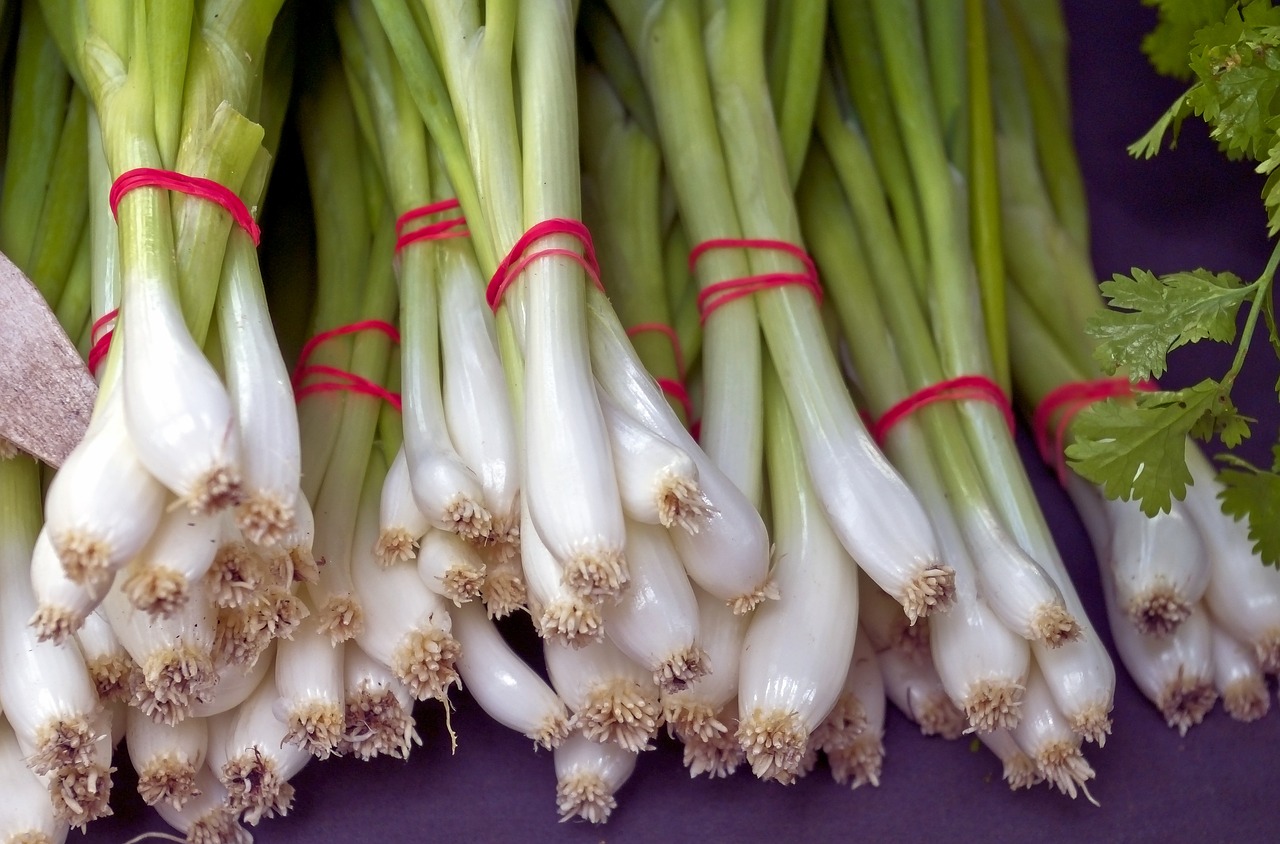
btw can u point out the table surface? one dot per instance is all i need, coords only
(1184, 209)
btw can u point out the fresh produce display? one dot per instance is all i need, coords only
(639, 372)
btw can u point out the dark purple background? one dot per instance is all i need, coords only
(1186, 208)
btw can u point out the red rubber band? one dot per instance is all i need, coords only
(301, 369)
(675, 388)
(1066, 401)
(342, 380)
(513, 264)
(150, 177)
(100, 345)
(721, 293)
(440, 230)
(963, 388)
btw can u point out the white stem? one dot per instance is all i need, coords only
(1243, 594)
(103, 504)
(206, 817)
(852, 735)
(658, 480)
(308, 676)
(506, 688)
(261, 393)
(1239, 678)
(450, 566)
(379, 716)
(912, 684)
(179, 553)
(400, 522)
(25, 813)
(114, 673)
(588, 775)
(612, 698)
(166, 758)
(1158, 564)
(1045, 735)
(235, 683)
(655, 622)
(558, 612)
(62, 603)
(694, 710)
(729, 554)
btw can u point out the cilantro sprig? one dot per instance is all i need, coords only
(1135, 449)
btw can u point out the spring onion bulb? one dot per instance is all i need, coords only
(115, 675)
(1174, 671)
(297, 542)
(612, 699)
(450, 566)
(166, 758)
(379, 710)
(1158, 565)
(714, 753)
(102, 505)
(693, 713)
(26, 814)
(309, 679)
(249, 749)
(797, 649)
(657, 480)
(176, 408)
(410, 632)
(1045, 736)
(505, 687)
(262, 398)
(558, 613)
(728, 556)
(175, 653)
(205, 819)
(236, 681)
(1019, 769)
(81, 794)
(503, 591)
(588, 776)
(477, 408)
(912, 684)
(62, 603)
(655, 621)
(886, 626)
(1238, 678)
(444, 490)
(47, 694)
(1243, 594)
(332, 593)
(852, 735)
(237, 571)
(180, 552)
(401, 523)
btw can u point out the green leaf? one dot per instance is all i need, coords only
(1168, 44)
(1254, 494)
(1162, 314)
(1137, 450)
(1149, 144)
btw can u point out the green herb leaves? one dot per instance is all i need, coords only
(1162, 313)
(1137, 450)
(1254, 494)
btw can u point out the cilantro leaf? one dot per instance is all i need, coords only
(1137, 450)
(1169, 43)
(1162, 314)
(1254, 494)
(1149, 144)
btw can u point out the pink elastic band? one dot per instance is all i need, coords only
(1066, 401)
(721, 293)
(513, 264)
(342, 380)
(101, 345)
(440, 230)
(963, 388)
(150, 177)
(672, 387)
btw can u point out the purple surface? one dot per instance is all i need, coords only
(1186, 208)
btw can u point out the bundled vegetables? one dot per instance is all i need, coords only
(687, 331)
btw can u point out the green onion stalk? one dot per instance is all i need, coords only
(705, 71)
(354, 238)
(956, 322)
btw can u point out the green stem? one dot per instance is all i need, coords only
(1261, 293)
(795, 57)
